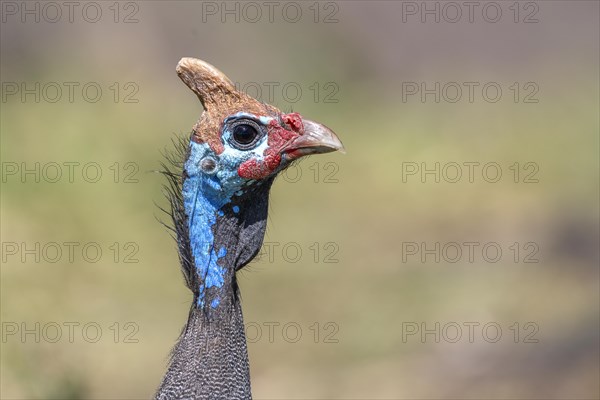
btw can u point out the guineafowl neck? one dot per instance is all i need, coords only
(210, 359)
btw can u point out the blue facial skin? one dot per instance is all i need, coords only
(203, 198)
(205, 193)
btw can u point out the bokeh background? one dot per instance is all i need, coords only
(344, 310)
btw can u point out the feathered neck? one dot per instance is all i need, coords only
(218, 232)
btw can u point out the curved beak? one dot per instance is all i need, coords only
(316, 139)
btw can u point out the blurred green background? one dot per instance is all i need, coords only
(341, 311)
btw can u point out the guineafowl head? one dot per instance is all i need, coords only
(236, 149)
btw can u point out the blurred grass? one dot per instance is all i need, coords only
(370, 292)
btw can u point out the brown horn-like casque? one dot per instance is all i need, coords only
(219, 97)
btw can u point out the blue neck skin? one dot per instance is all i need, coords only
(204, 196)
(205, 192)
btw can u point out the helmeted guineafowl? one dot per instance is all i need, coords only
(219, 206)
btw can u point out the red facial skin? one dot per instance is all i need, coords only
(278, 138)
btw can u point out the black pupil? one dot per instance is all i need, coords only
(244, 133)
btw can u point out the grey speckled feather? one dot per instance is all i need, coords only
(210, 361)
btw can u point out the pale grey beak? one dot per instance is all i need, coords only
(317, 139)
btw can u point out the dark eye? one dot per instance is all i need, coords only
(245, 135)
